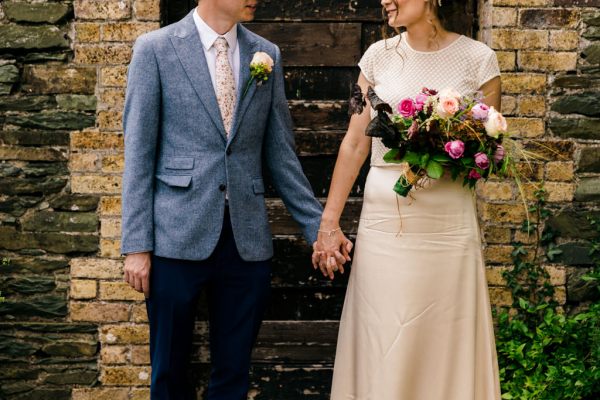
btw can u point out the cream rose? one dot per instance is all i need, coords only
(449, 92)
(495, 124)
(264, 59)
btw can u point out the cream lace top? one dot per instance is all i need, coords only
(398, 71)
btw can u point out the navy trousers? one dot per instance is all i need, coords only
(237, 293)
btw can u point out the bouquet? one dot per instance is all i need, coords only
(437, 132)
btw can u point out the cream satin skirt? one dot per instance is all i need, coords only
(416, 323)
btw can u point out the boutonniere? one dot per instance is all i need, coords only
(261, 67)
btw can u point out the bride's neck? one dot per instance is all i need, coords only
(426, 37)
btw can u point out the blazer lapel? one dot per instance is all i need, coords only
(190, 52)
(248, 47)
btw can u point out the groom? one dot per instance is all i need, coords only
(197, 131)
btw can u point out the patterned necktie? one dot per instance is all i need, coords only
(225, 90)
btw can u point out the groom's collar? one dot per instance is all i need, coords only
(208, 35)
(187, 27)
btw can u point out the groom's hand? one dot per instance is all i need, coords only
(137, 272)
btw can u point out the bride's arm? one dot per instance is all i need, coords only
(492, 92)
(353, 152)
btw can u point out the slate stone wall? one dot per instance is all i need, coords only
(70, 328)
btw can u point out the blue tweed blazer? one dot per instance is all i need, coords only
(179, 162)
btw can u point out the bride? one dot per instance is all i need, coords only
(416, 323)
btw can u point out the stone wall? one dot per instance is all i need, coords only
(70, 327)
(550, 59)
(43, 97)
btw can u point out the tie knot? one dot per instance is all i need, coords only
(221, 44)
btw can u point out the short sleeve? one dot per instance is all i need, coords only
(489, 67)
(367, 62)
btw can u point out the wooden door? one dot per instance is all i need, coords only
(321, 43)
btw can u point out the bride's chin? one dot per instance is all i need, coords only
(393, 22)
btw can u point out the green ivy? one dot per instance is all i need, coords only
(545, 354)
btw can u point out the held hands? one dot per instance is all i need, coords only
(331, 251)
(137, 272)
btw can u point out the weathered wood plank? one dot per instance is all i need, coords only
(319, 10)
(282, 342)
(268, 382)
(318, 143)
(319, 171)
(319, 115)
(283, 224)
(295, 304)
(310, 83)
(292, 266)
(370, 34)
(314, 44)
(173, 10)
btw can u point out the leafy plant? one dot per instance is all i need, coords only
(545, 354)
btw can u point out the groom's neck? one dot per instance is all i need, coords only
(218, 21)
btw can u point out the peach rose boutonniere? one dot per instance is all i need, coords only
(261, 67)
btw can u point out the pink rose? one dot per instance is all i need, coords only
(455, 149)
(406, 108)
(474, 174)
(480, 111)
(447, 106)
(499, 154)
(495, 123)
(420, 100)
(482, 160)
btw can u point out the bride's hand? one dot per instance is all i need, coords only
(331, 251)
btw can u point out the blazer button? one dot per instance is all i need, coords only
(222, 187)
(228, 152)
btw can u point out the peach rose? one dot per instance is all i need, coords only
(264, 59)
(447, 106)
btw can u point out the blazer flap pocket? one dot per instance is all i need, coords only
(175, 180)
(179, 163)
(258, 186)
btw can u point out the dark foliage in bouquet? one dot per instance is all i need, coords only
(442, 131)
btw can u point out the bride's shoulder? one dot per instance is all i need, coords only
(382, 46)
(475, 47)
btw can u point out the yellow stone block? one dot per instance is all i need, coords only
(83, 289)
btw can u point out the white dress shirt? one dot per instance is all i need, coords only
(208, 37)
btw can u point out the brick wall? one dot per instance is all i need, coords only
(548, 53)
(71, 329)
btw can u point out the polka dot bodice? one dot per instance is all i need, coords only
(397, 71)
